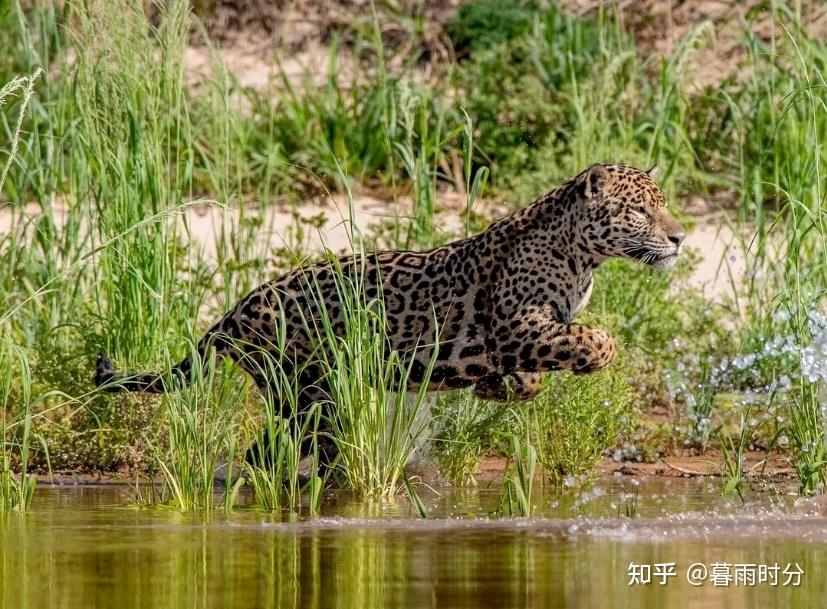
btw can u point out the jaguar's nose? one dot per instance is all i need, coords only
(677, 238)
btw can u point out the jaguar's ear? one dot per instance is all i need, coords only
(653, 172)
(590, 183)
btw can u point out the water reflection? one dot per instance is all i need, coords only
(82, 548)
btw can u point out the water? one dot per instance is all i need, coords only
(90, 547)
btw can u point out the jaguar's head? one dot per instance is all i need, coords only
(624, 214)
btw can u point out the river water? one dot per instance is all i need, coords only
(88, 547)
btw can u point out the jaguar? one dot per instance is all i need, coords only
(494, 311)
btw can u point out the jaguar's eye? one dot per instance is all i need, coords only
(641, 213)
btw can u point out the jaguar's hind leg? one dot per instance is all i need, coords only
(266, 452)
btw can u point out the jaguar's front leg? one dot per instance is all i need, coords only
(514, 386)
(546, 345)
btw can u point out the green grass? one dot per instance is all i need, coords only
(573, 423)
(199, 432)
(375, 423)
(517, 491)
(783, 167)
(465, 429)
(279, 435)
(16, 489)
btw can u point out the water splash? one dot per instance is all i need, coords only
(791, 355)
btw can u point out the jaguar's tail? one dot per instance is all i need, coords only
(109, 379)
(179, 376)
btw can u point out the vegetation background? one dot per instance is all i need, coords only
(161, 159)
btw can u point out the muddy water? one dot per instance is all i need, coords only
(91, 547)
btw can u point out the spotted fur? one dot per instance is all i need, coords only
(500, 303)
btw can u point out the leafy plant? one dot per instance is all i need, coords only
(572, 423)
(465, 426)
(482, 24)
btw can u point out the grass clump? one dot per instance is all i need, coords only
(783, 189)
(16, 489)
(516, 85)
(466, 429)
(375, 424)
(573, 423)
(287, 433)
(485, 23)
(518, 485)
(200, 431)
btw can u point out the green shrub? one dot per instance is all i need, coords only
(576, 419)
(482, 24)
(516, 88)
(465, 426)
